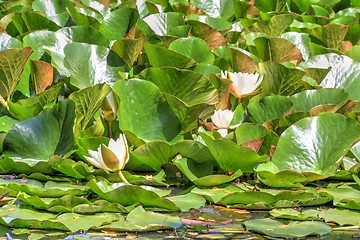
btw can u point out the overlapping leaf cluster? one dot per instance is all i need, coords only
(161, 62)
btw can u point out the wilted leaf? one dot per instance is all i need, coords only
(42, 75)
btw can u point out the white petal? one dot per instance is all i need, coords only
(224, 74)
(120, 149)
(222, 118)
(244, 83)
(95, 162)
(223, 132)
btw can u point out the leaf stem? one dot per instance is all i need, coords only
(121, 175)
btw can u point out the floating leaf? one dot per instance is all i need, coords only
(6, 42)
(163, 23)
(275, 228)
(341, 216)
(128, 195)
(49, 189)
(141, 220)
(194, 48)
(289, 213)
(188, 201)
(275, 26)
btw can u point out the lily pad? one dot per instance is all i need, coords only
(47, 134)
(128, 195)
(275, 228)
(316, 144)
(344, 72)
(141, 101)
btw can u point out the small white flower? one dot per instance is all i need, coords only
(112, 158)
(222, 120)
(243, 83)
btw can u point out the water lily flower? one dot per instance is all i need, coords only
(109, 107)
(242, 83)
(222, 120)
(112, 157)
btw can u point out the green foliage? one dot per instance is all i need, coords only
(76, 74)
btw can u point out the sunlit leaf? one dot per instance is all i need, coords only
(275, 228)
(116, 24)
(316, 144)
(344, 72)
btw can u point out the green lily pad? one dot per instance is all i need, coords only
(178, 82)
(277, 49)
(87, 65)
(270, 107)
(215, 194)
(194, 48)
(316, 144)
(275, 228)
(153, 154)
(87, 102)
(142, 101)
(33, 187)
(188, 201)
(128, 195)
(118, 22)
(344, 72)
(232, 157)
(12, 62)
(7, 42)
(70, 203)
(309, 99)
(47, 134)
(289, 213)
(279, 79)
(345, 197)
(341, 216)
(269, 174)
(163, 57)
(141, 220)
(162, 23)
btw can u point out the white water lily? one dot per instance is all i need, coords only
(109, 107)
(243, 83)
(222, 120)
(112, 157)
